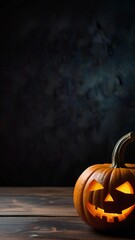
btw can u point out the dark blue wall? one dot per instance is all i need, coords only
(67, 87)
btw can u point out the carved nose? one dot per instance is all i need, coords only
(109, 198)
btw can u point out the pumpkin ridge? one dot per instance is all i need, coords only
(105, 170)
(83, 206)
(79, 190)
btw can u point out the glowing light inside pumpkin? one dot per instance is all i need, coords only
(99, 212)
(94, 185)
(109, 198)
(125, 188)
(110, 217)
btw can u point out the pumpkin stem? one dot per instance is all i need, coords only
(119, 150)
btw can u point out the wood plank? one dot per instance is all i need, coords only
(36, 191)
(52, 228)
(45, 213)
(36, 202)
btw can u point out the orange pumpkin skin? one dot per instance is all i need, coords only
(104, 194)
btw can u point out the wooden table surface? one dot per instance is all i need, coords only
(44, 213)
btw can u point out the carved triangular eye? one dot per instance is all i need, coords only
(94, 185)
(125, 188)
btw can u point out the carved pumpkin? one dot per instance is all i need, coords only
(104, 194)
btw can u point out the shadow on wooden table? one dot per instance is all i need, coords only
(123, 233)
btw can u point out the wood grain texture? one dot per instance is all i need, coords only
(36, 202)
(45, 213)
(50, 228)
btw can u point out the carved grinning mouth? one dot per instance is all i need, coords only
(99, 212)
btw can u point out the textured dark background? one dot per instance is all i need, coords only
(67, 87)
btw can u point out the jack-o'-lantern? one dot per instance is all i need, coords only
(104, 194)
